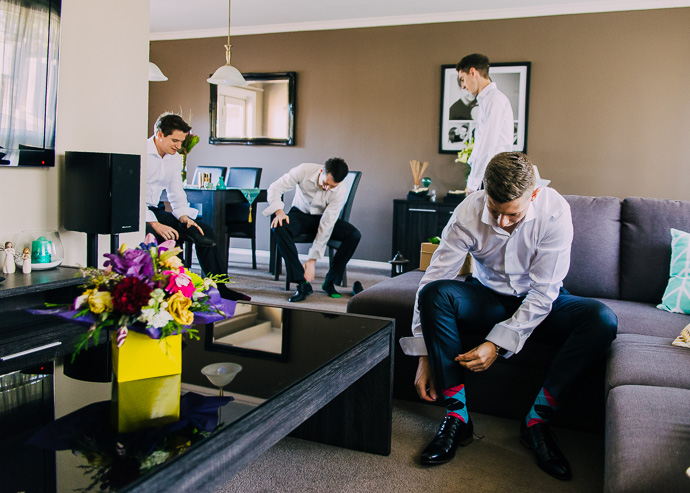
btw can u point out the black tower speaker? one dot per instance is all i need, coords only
(101, 192)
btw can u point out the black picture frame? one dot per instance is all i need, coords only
(458, 111)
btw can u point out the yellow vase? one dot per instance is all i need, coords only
(142, 357)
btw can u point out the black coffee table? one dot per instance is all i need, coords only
(328, 379)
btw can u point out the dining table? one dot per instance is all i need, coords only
(212, 204)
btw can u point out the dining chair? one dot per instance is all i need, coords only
(351, 181)
(237, 223)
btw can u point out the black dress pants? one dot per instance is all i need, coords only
(209, 258)
(301, 223)
(583, 328)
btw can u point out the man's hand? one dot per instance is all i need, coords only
(187, 221)
(480, 358)
(469, 191)
(309, 270)
(280, 217)
(424, 380)
(165, 232)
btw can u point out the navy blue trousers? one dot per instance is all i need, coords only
(301, 223)
(583, 328)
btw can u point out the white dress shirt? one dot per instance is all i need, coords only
(494, 133)
(310, 198)
(164, 173)
(531, 262)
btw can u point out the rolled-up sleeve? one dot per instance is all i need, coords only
(328, 219)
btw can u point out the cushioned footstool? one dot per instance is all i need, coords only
(647, 439)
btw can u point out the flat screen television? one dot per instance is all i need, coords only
(29, 40)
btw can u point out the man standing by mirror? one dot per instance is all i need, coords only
(163, 173)
(494, 131)
(315, 210)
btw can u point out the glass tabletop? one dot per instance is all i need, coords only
(59, 433)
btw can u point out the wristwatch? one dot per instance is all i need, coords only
(500, 351)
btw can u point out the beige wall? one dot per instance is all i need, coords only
(609, 111)
(102, 106)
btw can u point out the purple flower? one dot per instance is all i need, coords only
(132, 263)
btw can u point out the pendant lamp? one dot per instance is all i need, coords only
(155, 74)
(227, 74)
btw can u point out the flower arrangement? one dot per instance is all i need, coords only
(464, 155)
(186, 147)
(148, 290)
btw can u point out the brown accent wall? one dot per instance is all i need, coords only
(609, 108)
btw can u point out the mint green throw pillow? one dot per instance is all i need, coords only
(676, 298)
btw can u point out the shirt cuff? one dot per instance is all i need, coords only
(505, 338)
(413, 346)
(185, 211)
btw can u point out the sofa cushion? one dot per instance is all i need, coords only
(595, 257)
(647, 446)
(646, 245)
(664, 364)
(677, 295)
(646, 319)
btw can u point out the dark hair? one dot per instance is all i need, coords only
(337, 168)
(477, 61)
(169, 122)
(508, 176)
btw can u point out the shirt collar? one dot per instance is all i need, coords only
(315, 178)
(489, 221)
(151, 147)
(491, 87)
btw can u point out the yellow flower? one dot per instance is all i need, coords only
(100, 301)
(178, 307)
(173, 262)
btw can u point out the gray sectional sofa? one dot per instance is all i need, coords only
(639, 397)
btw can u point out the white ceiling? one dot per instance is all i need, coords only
(180, 19)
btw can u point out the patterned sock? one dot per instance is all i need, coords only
(545, 405)
(454, 398)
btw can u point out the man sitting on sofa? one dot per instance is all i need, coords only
(315, 209)
(163, 172)
(519, 236)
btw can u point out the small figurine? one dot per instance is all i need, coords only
(26, 261)
(8, 265)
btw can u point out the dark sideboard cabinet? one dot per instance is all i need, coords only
(414, 222)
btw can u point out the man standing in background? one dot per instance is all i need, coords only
(494, 132)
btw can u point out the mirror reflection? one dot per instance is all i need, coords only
(254, 329)
(261, 113)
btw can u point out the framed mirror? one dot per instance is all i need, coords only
(261, 113)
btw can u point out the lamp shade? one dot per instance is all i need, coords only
(155, 74)
(228, 75)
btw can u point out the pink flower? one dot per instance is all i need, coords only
(180, 282)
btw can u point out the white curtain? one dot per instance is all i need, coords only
(27, 108)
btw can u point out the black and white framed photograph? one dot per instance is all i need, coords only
(459, 107)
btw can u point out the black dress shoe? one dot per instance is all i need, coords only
(330, 290)
(451, 434)
(229, 294)
(304, 289)
(550, 459)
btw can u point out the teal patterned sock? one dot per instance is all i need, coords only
(454, 399)
(543, 408)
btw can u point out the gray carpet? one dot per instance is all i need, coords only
(495, 463)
